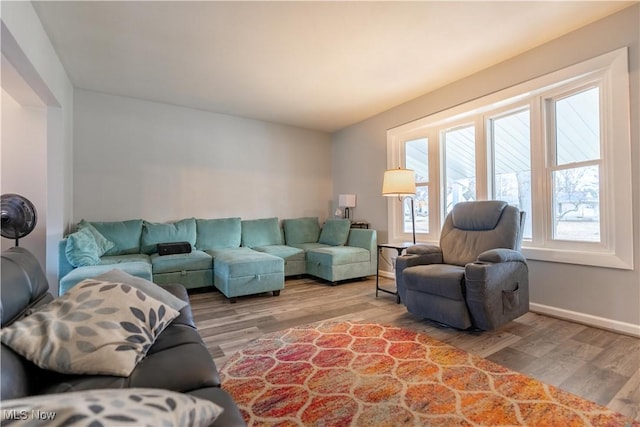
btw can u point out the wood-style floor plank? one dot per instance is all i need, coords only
(599, 365)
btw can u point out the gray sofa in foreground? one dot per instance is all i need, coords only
(176, 361)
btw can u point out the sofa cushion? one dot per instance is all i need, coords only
(149, 288)
(436, 279)
(301, 230)
(77, 275)
(335, 232)
(125, 235)
(310, 246)
(97, 327)
(122, 259)
(289, 253)
(218, 233)
(261, 232)
(82, 249)
(122, 407)
(182, 358)
(196, 260)
(179, 231)
(338, 255)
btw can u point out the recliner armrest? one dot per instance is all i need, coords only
(426, 255)
(425, 250)
(497, 288)
(419, 255)
(501, 255)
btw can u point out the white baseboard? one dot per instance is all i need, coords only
(587, 319)
(387, 274)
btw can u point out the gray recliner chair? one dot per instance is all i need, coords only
(477, 277)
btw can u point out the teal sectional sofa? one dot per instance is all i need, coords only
(238, 257)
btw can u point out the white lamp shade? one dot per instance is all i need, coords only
(347, 200)
(399, 182)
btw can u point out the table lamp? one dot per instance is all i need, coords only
(347, 201)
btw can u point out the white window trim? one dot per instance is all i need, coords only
(616, 251)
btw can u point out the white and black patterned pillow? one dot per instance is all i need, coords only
(97, 327)
(110, 407)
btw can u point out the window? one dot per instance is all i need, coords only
(510, 145)
(459, 165)
(556, 147)
(417, 158)
(575, 165)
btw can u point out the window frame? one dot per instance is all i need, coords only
(496, 114)
(610, 71)
(550, 140)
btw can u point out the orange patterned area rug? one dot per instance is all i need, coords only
(364, 374)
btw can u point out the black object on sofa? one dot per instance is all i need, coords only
(178, 360)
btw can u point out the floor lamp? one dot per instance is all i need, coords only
(401, 183)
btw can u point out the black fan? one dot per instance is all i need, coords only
(18, 215)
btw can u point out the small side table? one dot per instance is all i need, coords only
(400, 247)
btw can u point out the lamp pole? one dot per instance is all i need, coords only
(413, 221)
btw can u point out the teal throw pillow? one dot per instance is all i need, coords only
(179, 231)
(103, 243)
(335, 232)
(124, 234)
(82, 249)
(301, 230)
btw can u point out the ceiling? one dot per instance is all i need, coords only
(317, 65)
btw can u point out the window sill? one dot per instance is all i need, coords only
(596, 259)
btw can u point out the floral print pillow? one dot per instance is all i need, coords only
(97, 327)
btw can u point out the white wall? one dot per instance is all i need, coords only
(159, 162)
(24, 165)
(26, 45)
(605, 297)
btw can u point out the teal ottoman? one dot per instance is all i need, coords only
(294, 258)
(243, 271)
(336, 263)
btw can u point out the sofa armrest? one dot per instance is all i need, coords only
(231, 416)
(501, 255)
(64, 266)
(365, 239)
(186, 315)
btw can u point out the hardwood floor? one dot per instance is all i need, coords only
(598, 365)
